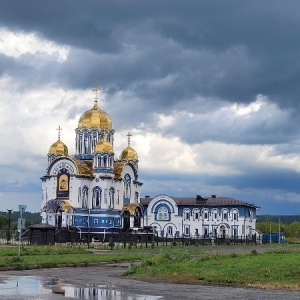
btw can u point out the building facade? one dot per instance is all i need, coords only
(198, 217)
(92, 191)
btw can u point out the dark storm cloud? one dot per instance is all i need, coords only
(257, 178)
(254, 45)
(283, 180)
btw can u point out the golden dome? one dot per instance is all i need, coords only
(104, 146)
(129, 154)
(95, 117)
(59, 148)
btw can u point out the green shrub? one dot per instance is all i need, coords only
(253, 252)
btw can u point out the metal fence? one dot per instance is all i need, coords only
(11, 238)
(127, 239)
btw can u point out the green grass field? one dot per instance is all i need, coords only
(57, 256)
(276, 269)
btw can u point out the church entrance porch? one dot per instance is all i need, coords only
(55, 213)
(132, 216)
(223, 230)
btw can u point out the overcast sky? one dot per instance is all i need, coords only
(209, 90)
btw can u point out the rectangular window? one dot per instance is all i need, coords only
(216, 216)
(196, 216)
(187, 230)
(235, 217)
(170, 230)
(205, 215)
(205, 231)
(225, 217)
(214, 230)
(234, 231)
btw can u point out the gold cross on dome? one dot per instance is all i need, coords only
(96, 91)
(59, 129)
(129, 135)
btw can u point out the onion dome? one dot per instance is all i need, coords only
(95, 117)
(58, 148)
(104, 146)
(129, 153)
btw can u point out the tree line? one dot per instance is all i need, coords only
(31, 219)
(278, 218)
(290, 225)
(291, 230)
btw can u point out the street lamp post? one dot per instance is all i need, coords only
(20, 225)
(8, 231)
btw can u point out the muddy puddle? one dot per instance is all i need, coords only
(34, 287)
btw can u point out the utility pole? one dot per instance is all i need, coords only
(270, 233)
(279, 232)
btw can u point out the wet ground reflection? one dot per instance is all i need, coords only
(33, 285)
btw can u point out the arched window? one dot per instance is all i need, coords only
(111, 197)
(94, 134)
(187, 214)
(170, 230)
(215, 214)
(86, 143)
(97, 198)
(127, 186)
(136, 197)
(196, 214)
(97, 193)
(162, 214)
(205, 214)
(225, 215)
(234, 214)
(85, 197)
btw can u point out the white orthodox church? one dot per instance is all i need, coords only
(96, 193)
(92, 190)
